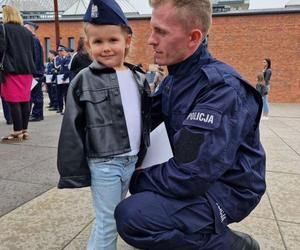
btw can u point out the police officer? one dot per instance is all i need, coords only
(55, 72)
(50, 83)
(217, 174)
(37, 99)
(63, 77)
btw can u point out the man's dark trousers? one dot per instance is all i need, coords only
(37, 100)
(62, 90)
(150, 221)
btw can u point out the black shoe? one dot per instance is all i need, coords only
(58, 111)
(36, 119)
(9, 122)
(242, 241)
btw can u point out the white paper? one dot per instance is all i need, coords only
(160, 149)
(48, 78)
(60, 79)
(34, 83)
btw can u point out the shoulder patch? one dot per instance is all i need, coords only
(203, 118)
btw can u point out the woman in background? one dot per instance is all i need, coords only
(19, 68)
(81, 59)
(267, 72)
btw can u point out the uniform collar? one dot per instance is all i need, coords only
(200, 57)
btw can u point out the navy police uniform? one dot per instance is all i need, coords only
(62, 89)
(37, 98)
(51, 87)
(217, 174)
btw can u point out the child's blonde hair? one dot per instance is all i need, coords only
(126, 29)
(260, 78)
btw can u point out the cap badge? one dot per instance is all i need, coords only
(94, 12)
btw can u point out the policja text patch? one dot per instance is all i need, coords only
(203, 118)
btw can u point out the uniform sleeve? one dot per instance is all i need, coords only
(204, 148)
(71, 160)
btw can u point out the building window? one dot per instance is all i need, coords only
(47, 47)
(71, 42)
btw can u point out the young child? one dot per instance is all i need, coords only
(260, 85)
(106, 120)
(262, 88)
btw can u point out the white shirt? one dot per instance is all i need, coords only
(131, 101)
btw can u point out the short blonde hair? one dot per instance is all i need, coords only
(11, 15)
(194, 13)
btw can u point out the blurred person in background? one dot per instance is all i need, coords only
(267, 72)
(63, 79)
(80, 60)
(37, 98)
(19, 68)
(51, 85)
(260, 85)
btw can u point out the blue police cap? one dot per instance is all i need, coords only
(61, 48)
(34, 25)
(105, 12)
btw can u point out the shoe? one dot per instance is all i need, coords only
(242, 241)
(9, 122)
(25, 135)
(36, 119)
(58, 111)
(12, 138)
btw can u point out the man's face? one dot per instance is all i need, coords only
(168, 38)
(62, 53)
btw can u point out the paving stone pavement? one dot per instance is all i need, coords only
(34, 214)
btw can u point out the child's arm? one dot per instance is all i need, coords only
(71, 158)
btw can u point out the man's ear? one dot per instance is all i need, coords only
(195, 38)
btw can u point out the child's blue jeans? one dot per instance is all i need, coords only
(110, 181)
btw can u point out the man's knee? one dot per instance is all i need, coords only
(124, 215)
(135, 214)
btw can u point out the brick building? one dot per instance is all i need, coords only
(242, 39)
